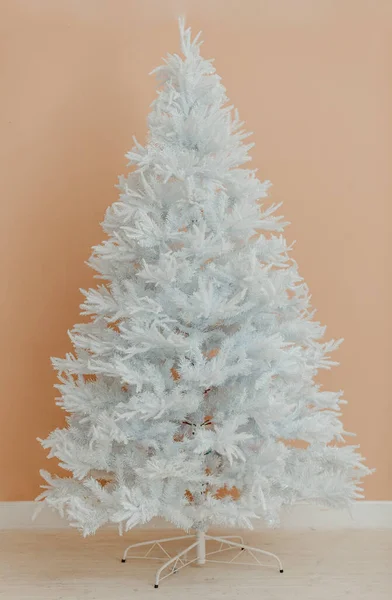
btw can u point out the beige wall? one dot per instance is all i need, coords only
(310, 77)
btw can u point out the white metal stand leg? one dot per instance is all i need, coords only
(180, 560)
(233, 537)
(250, 549)
(174, 560)
(154, 543)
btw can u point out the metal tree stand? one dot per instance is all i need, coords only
(181, 559)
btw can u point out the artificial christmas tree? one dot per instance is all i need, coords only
(194, 377)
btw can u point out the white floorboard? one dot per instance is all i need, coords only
(364, 514)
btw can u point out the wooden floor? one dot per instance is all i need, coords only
(61, 565)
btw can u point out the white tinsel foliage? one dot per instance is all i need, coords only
(194, 380)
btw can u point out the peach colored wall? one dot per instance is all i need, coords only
(311, 80)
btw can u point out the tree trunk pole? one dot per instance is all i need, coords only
(201, 548)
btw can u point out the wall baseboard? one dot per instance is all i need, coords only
(365, 514)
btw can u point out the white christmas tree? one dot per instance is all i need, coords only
(194, 377)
